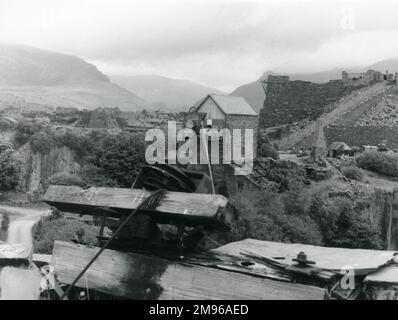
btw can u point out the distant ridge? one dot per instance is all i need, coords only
(163, 92)
(34, 75)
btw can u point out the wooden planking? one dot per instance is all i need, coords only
(333, 259)
(190, 207)
(15, 254)
(388, 274)
(19, 284)
(138, 276)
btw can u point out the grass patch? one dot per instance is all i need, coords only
(57, 227)
(353, 173)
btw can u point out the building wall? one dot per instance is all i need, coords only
(212, 110)
(362, 78)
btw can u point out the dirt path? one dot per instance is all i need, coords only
(345, 105)
(21, 223)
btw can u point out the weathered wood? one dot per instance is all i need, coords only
(387, 274)
(41, 259)
(190, 208)
(334, 259)
(15, 254)
(19, 284)
(138, 276)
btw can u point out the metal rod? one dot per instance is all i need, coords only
(208, 161)
(143, 204)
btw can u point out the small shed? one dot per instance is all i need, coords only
(369, 148)
(337, 149)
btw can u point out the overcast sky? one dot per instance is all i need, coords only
(220, 44)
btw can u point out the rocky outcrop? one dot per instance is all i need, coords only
(38, 167)
(384, 113)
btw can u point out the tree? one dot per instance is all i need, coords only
(120, 157)
(379, 162)
(10, 169)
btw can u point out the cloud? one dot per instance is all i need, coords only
(217, 43)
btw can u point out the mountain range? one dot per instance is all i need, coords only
(164, 93)
(30, 75)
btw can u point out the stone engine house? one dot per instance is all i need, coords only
(221, 111)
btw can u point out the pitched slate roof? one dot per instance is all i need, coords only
(228, 104)
(339, 146)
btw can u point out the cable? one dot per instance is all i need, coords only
(149, 203)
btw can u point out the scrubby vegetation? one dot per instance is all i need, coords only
(293, 218)
(66, 179)
(267, 150)
(57, 227)
(265, 216)
(380, 162)
(10, 168)
(118, 157)
(27, 127)
(353, 173)
(107, 159)
(286, 174)
(42, 142)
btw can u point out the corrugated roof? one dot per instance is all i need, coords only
(229, 104)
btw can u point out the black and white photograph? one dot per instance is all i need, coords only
(216, 151)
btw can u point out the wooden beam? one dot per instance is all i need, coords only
(19, 284)
(138, 276)
(363, 261)
(189, 208)
(15, 254)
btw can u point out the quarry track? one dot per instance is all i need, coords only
(343, 106)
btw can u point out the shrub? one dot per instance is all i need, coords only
(379, 162)
(66, 179)
(352, 172)
(10, 170)
(344, 225)
(42, 142)
(120, 157)
(285, 218)
(286, 174)
(266, 150)
(264, 216)
(79, 143)
(56, 227)
(26, 128)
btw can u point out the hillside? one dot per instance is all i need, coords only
(30, 75)
(346, 109)
(163, 92)
(391, 65)
(254, 93)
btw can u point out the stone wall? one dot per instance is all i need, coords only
(292, 101)
(364, 135)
